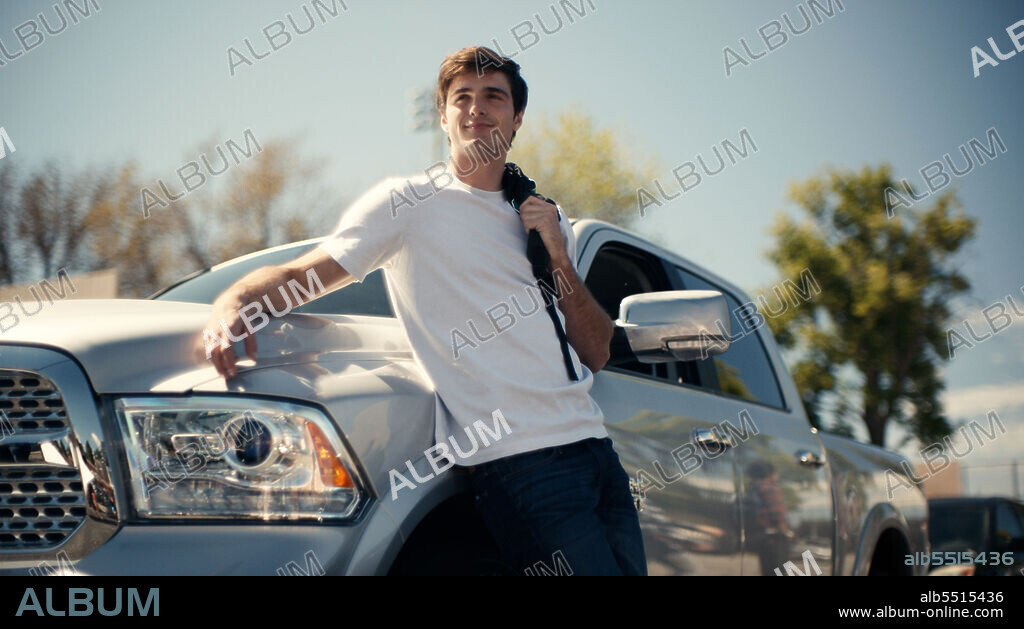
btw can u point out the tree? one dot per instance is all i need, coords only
(52, 215)
(271, 199)
(585, 169)
(886, 286)
(146, 253)
(93, 219)
(8, 218)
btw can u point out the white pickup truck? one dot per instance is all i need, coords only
(125, 453)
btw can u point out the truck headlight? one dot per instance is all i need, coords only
(217, 457)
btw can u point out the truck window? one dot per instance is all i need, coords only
(744, 370)
(958, 527)
(1008, 526)
(620, 270)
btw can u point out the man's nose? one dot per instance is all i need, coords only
(477, 109)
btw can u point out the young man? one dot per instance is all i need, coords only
(454, 252)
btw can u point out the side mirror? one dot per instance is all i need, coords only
(671, 325)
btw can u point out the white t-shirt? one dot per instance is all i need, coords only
(455, 261)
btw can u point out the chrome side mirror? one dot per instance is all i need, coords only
(672, 325)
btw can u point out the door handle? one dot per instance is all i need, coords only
(708, 439)
(808, 458)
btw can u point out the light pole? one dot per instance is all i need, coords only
(426, 118)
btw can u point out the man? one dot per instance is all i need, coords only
(454, 252)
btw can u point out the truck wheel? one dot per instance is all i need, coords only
(888, 558)
(449, 559)
(451, 541)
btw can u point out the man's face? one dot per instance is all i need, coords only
(478, 115)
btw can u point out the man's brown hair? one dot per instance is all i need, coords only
(480, 60)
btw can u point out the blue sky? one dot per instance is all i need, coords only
(877, 81)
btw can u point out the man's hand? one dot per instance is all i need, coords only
(587, 327)
(225, 320)
(268, 285)
(536, 213)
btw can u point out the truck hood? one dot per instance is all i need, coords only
(136, 345)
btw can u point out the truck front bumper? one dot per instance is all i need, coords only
(366, 548)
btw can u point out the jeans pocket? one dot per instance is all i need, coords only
(519, 465)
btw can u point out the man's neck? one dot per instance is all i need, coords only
(483, 176)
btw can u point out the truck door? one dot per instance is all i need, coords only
(785, 493)
(662, 420)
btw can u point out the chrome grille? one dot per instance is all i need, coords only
(30, 402)
(40, 504)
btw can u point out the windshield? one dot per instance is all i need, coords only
(366, 298)
(959, 527)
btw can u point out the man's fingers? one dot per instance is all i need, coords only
(536, 209)
(537, 213)
(219, 349)
(538, 200)
(228, 359)
(218, 362)
(223, 359)
(250, 346)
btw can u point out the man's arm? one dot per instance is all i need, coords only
(587, 327)
(367, 235)
(264, 283)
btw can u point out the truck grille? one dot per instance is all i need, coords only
(30, 402)
(40, 504)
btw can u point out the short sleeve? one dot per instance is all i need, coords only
(369, 234)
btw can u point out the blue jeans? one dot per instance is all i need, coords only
(562, 510)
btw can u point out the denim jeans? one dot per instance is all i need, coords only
(562, 510)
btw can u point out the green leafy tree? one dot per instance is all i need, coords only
(886, 285)
(587, 170)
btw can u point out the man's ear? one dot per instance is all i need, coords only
(518, 120)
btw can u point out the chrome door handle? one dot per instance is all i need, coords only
(708, 439)
(808, 458)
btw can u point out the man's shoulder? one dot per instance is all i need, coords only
(421, 182)
(412, 189)
(390, 184)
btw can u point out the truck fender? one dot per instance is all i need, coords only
(881, 517)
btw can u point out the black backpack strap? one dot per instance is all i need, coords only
(517, 188)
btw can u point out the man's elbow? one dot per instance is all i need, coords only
(600, 354)
(597, 360)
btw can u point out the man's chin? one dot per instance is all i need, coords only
(483, 151)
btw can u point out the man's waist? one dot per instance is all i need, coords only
(508, 448)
